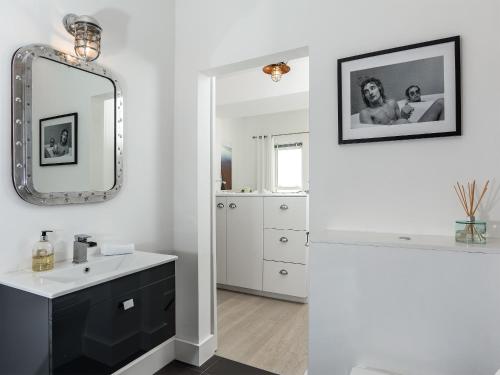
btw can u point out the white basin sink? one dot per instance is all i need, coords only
(87, 270)
(67, 277)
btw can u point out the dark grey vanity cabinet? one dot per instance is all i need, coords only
(92, 331)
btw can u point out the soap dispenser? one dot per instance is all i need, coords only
(43, 254)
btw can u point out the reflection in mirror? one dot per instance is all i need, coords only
(73, 129)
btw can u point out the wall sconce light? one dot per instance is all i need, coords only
(87, 33)
(276, 70)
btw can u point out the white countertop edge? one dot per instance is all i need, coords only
(261, 194)
(392, 240)
(4, 278)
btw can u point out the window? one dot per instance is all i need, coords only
(288, 158)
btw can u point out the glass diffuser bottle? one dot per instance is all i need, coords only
(470, 230)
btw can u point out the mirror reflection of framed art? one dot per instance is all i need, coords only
(59, 140)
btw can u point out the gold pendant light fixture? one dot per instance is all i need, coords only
(87, 33)
(276, 70)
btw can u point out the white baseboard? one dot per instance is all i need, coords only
(193, 353)
(261, 293)
(152, 361)
(163, 354)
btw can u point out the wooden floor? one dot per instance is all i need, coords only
(263, 332)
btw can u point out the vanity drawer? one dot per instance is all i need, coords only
(113, 288)
(285, 278)
(113, 330)
(285, 213)
(285, 245)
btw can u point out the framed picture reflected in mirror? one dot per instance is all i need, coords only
(59, 140)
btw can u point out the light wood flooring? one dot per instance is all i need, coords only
(263, 332)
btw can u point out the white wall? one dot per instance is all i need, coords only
(408, 311)
(403, 186)
(238, 132)
(142, 212)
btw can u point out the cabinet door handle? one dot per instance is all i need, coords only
(232, 205)
(284, 272)
(128, 304)
(283, 239)
(284, 207)
(220, 205)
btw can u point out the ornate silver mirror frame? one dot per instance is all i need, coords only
(22, 150)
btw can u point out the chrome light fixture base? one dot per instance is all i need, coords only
(71, 19)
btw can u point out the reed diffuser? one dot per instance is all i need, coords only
(470, 230)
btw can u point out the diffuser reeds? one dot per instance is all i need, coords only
(468, 198)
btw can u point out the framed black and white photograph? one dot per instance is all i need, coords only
(58, 140)
(400, 93)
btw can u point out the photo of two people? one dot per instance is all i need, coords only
(58, 140)
(398, 94)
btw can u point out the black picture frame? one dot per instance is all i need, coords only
(450, 121)
(48, 156)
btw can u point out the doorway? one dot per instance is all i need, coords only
(260, 169)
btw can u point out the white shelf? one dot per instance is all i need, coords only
(398, 240)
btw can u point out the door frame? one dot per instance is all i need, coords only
(212, 74)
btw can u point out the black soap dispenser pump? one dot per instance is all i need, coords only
(43, 254)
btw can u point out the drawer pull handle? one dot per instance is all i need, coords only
(232, 205)
(220, 205)
(283, 239)
(128, 304)
(284, 207)
(170, 303)
(284, 272)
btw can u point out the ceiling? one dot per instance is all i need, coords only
(251, 92)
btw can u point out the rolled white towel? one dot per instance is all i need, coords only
(110, 248)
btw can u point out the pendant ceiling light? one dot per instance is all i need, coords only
(276, 70)
(87, 33)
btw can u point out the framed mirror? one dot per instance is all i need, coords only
(67, 128)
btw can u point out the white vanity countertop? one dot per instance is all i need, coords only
(256, 194)
(67, 277)
(415, 241)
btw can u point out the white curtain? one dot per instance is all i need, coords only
(264, 162)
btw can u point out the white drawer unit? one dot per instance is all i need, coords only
(261, 244)
(286, 213)
(285, 245)
(285, 278)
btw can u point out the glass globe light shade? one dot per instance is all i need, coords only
(87, 40)
(276, 73)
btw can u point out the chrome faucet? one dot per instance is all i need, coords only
(80, 247)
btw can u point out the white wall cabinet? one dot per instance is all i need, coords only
(220, 235)
(244, 242)
(262, 244)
